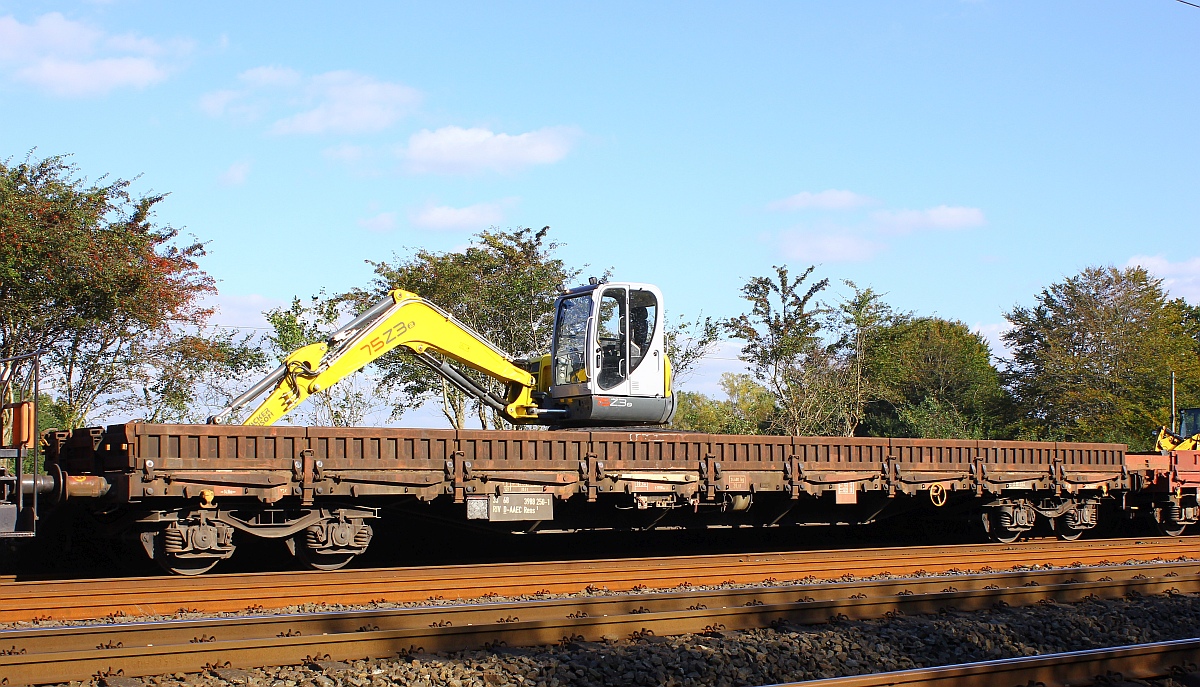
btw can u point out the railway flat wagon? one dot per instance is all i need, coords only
(190, 494)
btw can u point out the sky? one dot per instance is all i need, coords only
(956, 156)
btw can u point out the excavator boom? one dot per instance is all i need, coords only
(402, 319)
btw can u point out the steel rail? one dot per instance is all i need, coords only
(75, 653)
(1133, 661)
(82, 599)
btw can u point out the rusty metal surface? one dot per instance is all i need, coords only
(61, 654)
(148, 461)
(63, 600)
(1135, 661)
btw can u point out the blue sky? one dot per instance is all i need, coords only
(957, 156)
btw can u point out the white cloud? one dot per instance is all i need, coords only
(340, 102)
(1181, 279)
(236, 174)
(133, 43)
(831, 199)
(68, 58)
(50, 34)
(940, 217)
(96, 77)
(215, 103)
(346, 153)
(269, 76)
(478, 216)
(454, 149)
(349, 103)
(827, 247)
(381, 223)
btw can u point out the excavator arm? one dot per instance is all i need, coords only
(401, 320)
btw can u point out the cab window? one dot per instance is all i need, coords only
(570, 339)
(612, 342)
(643, 316)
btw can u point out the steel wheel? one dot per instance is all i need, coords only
(1170, 528)
(998, 534)
(186, 566)
(1004, 536)
(1067, 534)
(318, 560)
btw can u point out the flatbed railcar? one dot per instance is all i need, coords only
(191, 494)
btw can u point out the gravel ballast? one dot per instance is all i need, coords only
(753, 657)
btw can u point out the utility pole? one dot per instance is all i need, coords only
(1174, 415)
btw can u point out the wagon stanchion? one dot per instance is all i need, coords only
(19, 488)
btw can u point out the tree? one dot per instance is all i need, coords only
(688, 342)
(188, 376)
(788, 355)
(503, 286)
(1092, 360)
(87, 275)
(748, 408)
(860, 322)
(935, 380)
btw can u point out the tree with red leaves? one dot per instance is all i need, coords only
(116, 300)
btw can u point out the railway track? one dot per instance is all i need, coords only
(141, 596)
(1135, 661)
(48, 655)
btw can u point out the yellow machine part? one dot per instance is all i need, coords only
(415, 324)
(667, 375)
(1170, 442)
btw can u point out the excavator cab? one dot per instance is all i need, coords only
(608, 362)
(1189, 422)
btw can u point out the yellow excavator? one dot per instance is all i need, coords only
(1188, 438)
(607, 364)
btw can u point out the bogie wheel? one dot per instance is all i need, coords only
(320, 560)
(331, 544)
(1068, 534)
(1170, 528)
(186, 566)
(998, 533)
(188, 547)
(1005, 536)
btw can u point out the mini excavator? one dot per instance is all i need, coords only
(607, 364)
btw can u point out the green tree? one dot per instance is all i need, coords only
(936, 380)
(748, 408)
(1092, 360)
(503, 286)
(696, 412)
(50, 414)
(786, 349)
(86, 274)
(860, 322)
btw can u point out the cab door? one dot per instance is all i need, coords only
(611, 342)
(647, 352)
